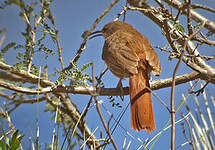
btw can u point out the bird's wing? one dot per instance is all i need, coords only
(118, 52)
(151, 56)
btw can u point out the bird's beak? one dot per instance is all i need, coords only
(95, 34)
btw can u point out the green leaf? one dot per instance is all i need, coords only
(2, 145)
(85, 66)
(7, 141)
(27, 37)
(15, 141)
(7, 48)
(180, 28)
(19, 47)
(14, 137)
(42, 38)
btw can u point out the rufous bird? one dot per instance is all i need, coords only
(128, 54)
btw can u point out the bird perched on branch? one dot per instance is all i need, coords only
(128, 54)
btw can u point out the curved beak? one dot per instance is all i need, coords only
(95, 34)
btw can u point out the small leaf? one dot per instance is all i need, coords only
(14, 137)
(2, 145)
(7, 141)
(16, 140)
(85, 66)
(7, 48)
(180, 28)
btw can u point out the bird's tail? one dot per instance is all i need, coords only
(142, 116)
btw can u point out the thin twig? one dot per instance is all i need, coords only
(189, 23)
(56, 38)
(14, 108)
(11, 126)
(190, 131)
(4, 33)
(32, 42)
(210, 25)
(201, 90)
(176, 54)
(83, 44)
(173, 86)
(100, 114)
(199, 6)
(90, 101)
(159, 99)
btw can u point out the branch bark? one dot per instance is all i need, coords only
(155, 85)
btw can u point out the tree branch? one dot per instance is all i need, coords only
(155, 85)
(159, 17)
(210, 25)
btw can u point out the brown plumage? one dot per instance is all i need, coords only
(128, 53)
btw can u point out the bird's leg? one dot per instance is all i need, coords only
(119, 85)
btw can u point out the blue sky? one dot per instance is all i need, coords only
(72, 19)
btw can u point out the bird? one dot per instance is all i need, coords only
(128, 54)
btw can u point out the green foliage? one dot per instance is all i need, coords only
(22, 66)
(48, 29)
(11, 2)
(34, 40)
(12, 144)
(178, 27)
(46, 51)
(76, 77)
(6, 49)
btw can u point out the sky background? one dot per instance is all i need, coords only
(72, 19)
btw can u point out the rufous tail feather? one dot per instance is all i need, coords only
(142, 116)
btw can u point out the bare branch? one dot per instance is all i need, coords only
(60, 58)
(173, 86)
(24, 89)
(26, 77)
(22, 101)
(155, 85)
(194, 15)
(199, 6)
(100, 113)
